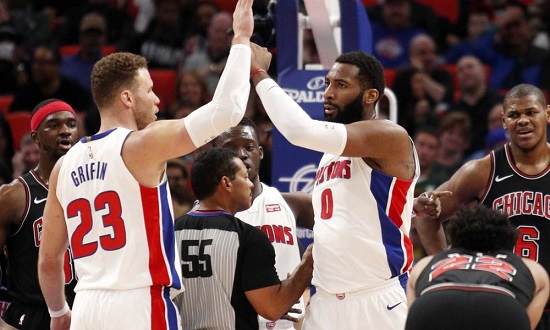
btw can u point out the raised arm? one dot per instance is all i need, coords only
(166, 139)
(467, 185)
(53, 245)
(274, 301)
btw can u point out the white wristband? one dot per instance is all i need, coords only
(60, 312)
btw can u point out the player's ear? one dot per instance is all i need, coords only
(370, 96)
(225, 183)
(261, 152)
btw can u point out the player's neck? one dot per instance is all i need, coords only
(258, 188)
(211, 204)
(43, 170)
(110, 121)
(533, 161)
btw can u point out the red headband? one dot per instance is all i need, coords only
(47, 110)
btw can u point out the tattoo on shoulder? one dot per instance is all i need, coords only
(410, 168)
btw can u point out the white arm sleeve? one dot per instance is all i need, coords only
(228, 105)
(295, 124)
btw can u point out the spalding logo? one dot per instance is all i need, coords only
(316, 83)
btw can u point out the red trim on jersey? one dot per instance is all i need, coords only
(397, 204)
(151, 213)
(158, 309)
(39, 179)
(490, 178)
(27, 205)
(512, 163)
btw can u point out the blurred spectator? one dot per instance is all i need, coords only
(479, 22)
(162, 42)
(392, 33)
(141, 12)
(540, 12)
(510, 52)
(191, 91)
(46, 82)
(494, 119)
(9, 61)
(5, 177)
(415, 108)
(182, 110)
(34, 24)
(423, 85)
(178, 181)
(78, 67)
(27, 157)
(495, 138)
(6, 144)
(204, 12)
(475, 98)
(426, 142)
(210, 60)
(438, 83)
(455, 131)
(120, 26)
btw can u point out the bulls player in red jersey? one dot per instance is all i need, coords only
(479, 283)
(54, 130)
(514, 179)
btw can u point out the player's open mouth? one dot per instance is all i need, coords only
(65, 144)
(524, 132)
(329, 111)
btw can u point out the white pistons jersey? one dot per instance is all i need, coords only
(121, 233)
(362, 223)
(271, 214)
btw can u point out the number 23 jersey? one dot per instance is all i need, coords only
(121, 232)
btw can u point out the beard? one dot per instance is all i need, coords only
(350, 113)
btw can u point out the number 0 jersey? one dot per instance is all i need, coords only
(526, 200)
(121, 233)
(362, 223)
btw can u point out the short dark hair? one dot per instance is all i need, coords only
(482, 229)
(427, 129)
(178, 163)
(114, 73)
(209, 167)
(454, 119)
(244, 122)
(56, 55)
(42, 104)
(371, 72)
(524, 90)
